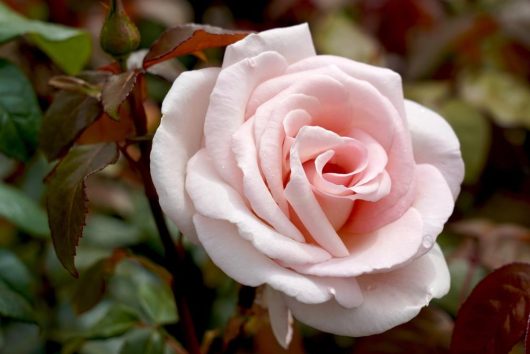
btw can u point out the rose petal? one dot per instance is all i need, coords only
(178, 137)
(434, 201)
(204, 185)
(386, 81)
(242, 262)
(226, 112)
(389, 299)
(367, 110)
(254, 187)
(386, 126)
(293, 43)
(435, 143)
(309, 142)
(270, 135)
(305, 96)
(381, 250)
(280, 316)
(391, 246)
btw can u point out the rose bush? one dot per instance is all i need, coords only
(313, 176)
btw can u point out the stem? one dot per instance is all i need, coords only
(174, 255)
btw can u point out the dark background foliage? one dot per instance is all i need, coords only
(468, 60)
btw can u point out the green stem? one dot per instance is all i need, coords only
(174, 254)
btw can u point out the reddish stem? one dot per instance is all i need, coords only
(174, 254)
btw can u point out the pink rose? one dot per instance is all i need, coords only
(311, 175)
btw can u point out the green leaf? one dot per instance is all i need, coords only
(473, 131)
(20, 115)
(66, 199)
(464, 277)
(338, 34)
(144, 341)
(22, 211)
(14, 273)
(110, 232)
(429, 93)
(157, 302)
(13, 305)
(116, 90)
(69, 48)
(187, 39)
(118, 320)
(504, 96)
(494, 317)
(70, 113)
(92, 285)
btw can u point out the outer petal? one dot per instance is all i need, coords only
(293, 43)
(280, 317)
(434, 202)
(226, 111)
(386, 248)
(389, 299)
(435, 143)
(242, 262)
(178, 137)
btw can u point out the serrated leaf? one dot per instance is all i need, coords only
(118, 320)
(20, 115)
(66, 198)
(494, 317)
(76, 84)
(22, 211)
(106, 129)
(474, 133)
(116, 90)
(187, 39)
(68, 47)
(14, 273)
(144, 341)
(69, 115)
(13, 305)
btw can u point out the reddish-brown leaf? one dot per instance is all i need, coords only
(76, 84)
(494, 317)
(106, 129)
(66, 197)
(70, 113)
(187, 39)
(116, 90)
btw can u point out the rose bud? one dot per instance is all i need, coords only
(119, 35)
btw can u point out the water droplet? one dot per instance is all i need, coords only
(427, 241)
(252, 62)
